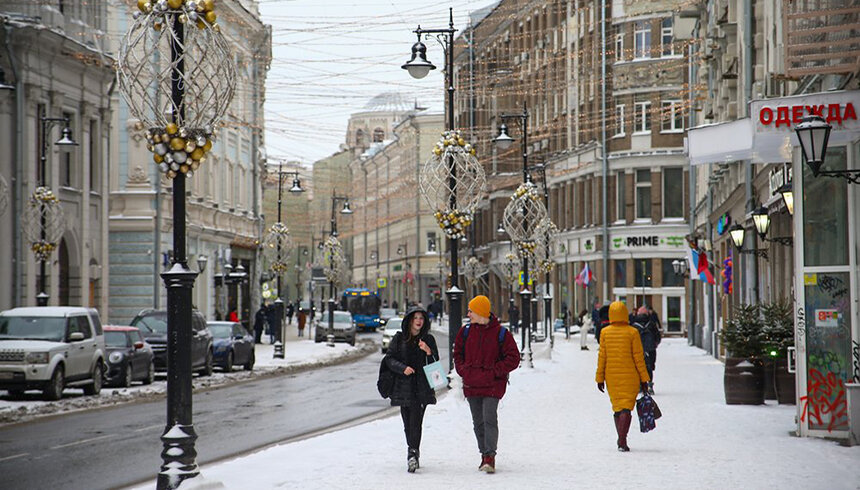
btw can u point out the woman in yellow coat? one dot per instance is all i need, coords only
(621, 365)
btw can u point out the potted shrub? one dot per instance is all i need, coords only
(743, 380)
(778, 333)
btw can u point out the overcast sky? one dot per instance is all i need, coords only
(330, 57)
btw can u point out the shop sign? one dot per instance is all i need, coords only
(827, 318)
(778, 115)
(723, 223)
(778, 176)
(647, 241)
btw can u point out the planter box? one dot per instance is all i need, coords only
(743, 382)
(786, 389)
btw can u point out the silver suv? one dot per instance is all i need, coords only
(50, 348)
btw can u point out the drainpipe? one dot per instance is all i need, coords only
(748, 65)
(17, 173)
(417, 275)
(604, 150)
(692, 75)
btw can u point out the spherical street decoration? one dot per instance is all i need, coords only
(333, 261)
(523, 217)
(277, 245)
(4, 195)
(43, 213)
(510, 268)
(546, 244)
(453, 160)
(474, 269)
(152, 55)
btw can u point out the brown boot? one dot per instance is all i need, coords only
(622, 426)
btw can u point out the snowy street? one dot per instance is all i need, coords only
(556, 431)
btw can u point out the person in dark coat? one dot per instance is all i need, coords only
(515, 318)
(484, 364)
(272, 322)
(602, 321)
(290, 310)
(649, 332)
(408, 352)
(259, 323)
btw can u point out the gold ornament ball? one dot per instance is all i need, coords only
(190, 146)
(171, 174)
(172, 128)
(174, 4)
(183, 168)
(461, 142)
(208, 145)
(211, 17)
(201, 24)
(197, 154)
(157, 26)
(177, 144)
(157, 158)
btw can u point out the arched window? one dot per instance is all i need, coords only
(359, 137)
(378, 135)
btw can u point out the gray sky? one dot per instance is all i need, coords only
(331, 57)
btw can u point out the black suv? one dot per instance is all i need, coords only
(153, 326)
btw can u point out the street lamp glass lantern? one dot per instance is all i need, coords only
(418, 66)
(813, 133)
(737, 233)
(297, 186)
(503, 140)
(202, 260)
(500, 229)
(676, 264)
(761, 220)
(66, 141)
(787, 196)
(346, 209)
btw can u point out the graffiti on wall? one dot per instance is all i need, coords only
(855, 352)
(825, 402)
(800, 325)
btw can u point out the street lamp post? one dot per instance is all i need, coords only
(332, 259)
(419, 67)
(45, 244)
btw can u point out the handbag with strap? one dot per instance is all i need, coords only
(385, 382)
(648, 412)
(435, 375)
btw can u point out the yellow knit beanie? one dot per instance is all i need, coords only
(480, 305)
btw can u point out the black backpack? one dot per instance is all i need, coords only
(385, 382)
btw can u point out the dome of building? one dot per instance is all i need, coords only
(388, 102)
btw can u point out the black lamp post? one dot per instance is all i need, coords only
(65, 142)
(419, 67)
(346, 210)
(403, 250)
(504, 141)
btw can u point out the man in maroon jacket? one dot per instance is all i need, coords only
(484, 357)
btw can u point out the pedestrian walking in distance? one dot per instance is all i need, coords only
(484, 356)
(412, 348)
(649, 333)
(621, 367)
(259, 323)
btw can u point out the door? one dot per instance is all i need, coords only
(199, 341)
(80, 352)
(240, 344)
(673, 321)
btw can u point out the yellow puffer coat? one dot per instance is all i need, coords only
(621, 364)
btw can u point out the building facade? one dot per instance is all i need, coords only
(56, 63)
(224, 220)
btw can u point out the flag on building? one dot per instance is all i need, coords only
(585, 277)
(699, 270)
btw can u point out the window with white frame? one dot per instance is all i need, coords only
(666, 38)
(641, 40)
(619, 119)
(620, 196)
(672, 116)
(673, 192)
(643, 194)
(642, 117)
(619, 46)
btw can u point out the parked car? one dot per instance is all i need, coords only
(153, 326)
(50, 348)
(344, 328)
(392, 327)
(129, 357)
(386, 314)
(233, 345)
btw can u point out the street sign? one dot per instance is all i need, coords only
(531, 280)
(381, 283)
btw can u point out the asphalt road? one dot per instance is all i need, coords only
(120, 446)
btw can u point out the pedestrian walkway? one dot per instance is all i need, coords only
(557, 432)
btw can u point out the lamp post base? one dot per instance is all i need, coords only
(179, 457)
(279, 350)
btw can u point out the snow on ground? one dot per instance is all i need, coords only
(557, 431)
(299, 353)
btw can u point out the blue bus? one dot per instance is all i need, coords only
(363, 304)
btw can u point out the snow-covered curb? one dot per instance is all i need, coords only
(300, 356)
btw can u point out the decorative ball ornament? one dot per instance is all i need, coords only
(43, 214)
(547, 242)
(524, 217)
(452, 159)
(277, 245)
(152, 55)
(333, 261)
(474, 269)
(510, 268)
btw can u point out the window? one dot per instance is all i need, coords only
(378, 135)
(359, 137)
(643, 194)
(619, 47)
(666, 38)
(672, 116)
(642, 121)
(66, 157)
(620, 197)
(619, 120)
(642, 276)
(670, 279)
(641, 40)
(673, 193)
(431, 241)
(621, 273)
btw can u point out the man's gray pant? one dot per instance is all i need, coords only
(486, 423)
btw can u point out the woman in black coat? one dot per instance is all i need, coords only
(408, 352)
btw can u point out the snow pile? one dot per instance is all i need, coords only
(556, 431)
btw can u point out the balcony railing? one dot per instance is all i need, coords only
(820, 36)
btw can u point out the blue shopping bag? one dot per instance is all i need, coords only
(648, 412)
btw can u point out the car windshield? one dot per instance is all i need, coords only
(342, 317)
(115, 339)
(221, 331)
(33, 328)
(156, 323)
(394, 324)
(387, 312)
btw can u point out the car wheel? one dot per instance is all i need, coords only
(126, 380)
(352, 341)
(228, 367)
(98, 380)
(207, 368)
(150, 374)
(55, 387)
(249, 366)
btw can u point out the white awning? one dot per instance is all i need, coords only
(718, 143)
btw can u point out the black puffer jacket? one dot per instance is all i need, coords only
(414, 389)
